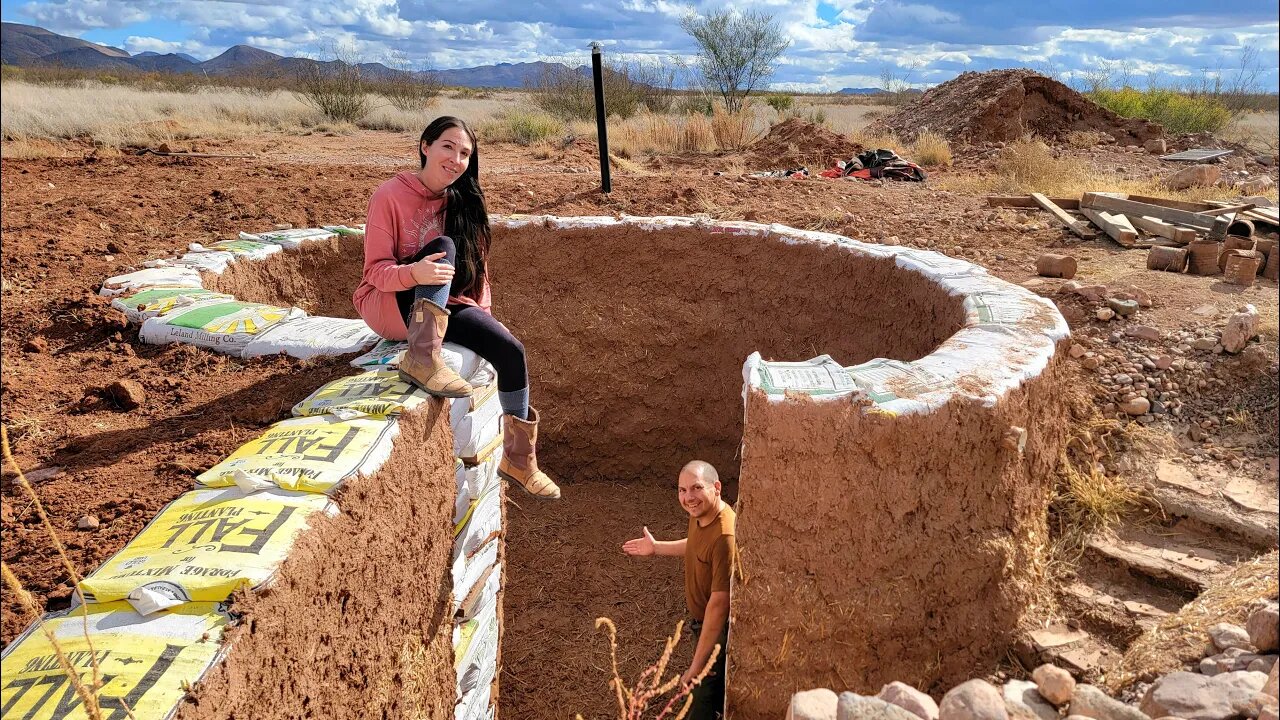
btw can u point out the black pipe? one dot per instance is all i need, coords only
(602, 135)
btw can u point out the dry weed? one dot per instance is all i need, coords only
(650, 687)
(1082, 139)
(931, 150)
(88, 694)
(1181, 637)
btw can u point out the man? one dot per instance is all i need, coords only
(709, 552)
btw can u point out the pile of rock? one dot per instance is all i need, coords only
(1235, 687)
(1207, 175)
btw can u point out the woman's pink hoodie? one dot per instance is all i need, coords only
(402, 219)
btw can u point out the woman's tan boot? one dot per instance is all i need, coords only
(423, 364)
(519, 462)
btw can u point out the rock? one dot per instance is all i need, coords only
(1255, 186)
(1077, 350)
(1226, 636)
(1263, 664)
(1091, 702)
(126, 394)
(1263, 627)
(1194, 176)
(1054, 683)
(852, 706)
(1023, 700)
(1105, 314)
(1136, 406)
(1241, 328)
(1269, 712)
(819, 704)
(1123, 308)
(1204, 344)
(37, 344)
(1196, 697)
(1272, 687)
(1164, 362)
(88, 522)
(1092, 293)
(909, 699)
(1155, 146)
(1209, 667)
(1143, 332)
(48, 472)
(973, 700)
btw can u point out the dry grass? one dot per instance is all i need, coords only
(874, 141)
(734, 131)
(1180, 638)
(1086, 499)
(34, 117)
(1259, 131)
(696, 135)
(930, 150)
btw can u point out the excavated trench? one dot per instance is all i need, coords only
(874, 547)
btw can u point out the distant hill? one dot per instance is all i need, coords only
(152, 53)
(20, 44)
(860, 91)
(238, 58)
(29, 45)
(502, 75)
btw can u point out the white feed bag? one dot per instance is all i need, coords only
(150, 278)
(309, 337)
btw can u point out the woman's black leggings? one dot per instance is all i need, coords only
(471, 327)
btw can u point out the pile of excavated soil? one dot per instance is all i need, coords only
(1003, 105)
(793, 143)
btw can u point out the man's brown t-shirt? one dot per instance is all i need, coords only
(708, 560)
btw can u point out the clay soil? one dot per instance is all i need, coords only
(69, 223)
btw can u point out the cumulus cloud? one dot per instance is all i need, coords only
(835, 43)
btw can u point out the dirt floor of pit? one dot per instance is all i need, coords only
(69, 222)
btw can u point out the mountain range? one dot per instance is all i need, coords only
(28, 45)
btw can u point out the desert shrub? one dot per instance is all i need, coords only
(1081, 139)
(335, 89)
(409, 91)
(1177, 112)
(524, 127)
(780, 101)
(931, 149)
(733, 130)
(569, 93)
(873, 141)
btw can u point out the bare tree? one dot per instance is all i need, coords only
(737, 51)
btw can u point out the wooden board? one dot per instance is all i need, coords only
(1165, 202)
(1080, 228)
(1196, 155)
(1229, 209)
(1216, 227)
(1026, 201)
(1116, 227)
(1156, 226)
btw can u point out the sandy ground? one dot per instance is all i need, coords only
(70, 222)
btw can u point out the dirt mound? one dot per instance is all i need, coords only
(793, 143)
(1002, 105)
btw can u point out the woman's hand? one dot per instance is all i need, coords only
(429, 272)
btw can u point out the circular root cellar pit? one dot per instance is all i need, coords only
(888, 533)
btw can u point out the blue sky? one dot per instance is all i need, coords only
(835, 43)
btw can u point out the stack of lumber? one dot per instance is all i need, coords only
(1138, 221)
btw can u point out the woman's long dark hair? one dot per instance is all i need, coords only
(466, 219)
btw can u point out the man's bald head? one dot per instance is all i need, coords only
(703, 470)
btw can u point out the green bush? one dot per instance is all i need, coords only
(1177, 112)
(779, 101)
(524, 127)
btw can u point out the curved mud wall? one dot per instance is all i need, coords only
(893, 545)
(876, 548)
(636, 338)
(358, 622)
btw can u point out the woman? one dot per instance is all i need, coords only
(426, 279)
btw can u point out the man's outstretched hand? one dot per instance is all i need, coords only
(640, 546)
